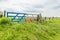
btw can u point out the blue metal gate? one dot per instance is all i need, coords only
(16, 14)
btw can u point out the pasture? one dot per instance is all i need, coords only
(49, 30)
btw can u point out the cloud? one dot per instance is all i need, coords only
(46, 7)
(3, 1)
(51, 8)
(22, 5)
(56, 7)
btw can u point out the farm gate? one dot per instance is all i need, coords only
(15, 16)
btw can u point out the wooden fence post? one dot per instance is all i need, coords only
(4, 14)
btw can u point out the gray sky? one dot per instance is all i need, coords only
(46, 7)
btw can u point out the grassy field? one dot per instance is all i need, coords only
(49, 30)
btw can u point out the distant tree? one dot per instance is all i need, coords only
(53, 17)
(41, 19)
(49, 18)
(45, 18)
(38, 18)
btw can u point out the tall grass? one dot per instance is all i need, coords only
(50, 30)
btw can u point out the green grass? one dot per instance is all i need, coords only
(49, 30)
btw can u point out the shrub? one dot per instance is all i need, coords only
(0, 15)
(4, 21)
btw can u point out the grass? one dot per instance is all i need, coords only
(49, 30)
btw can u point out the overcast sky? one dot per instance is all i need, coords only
(46, 7)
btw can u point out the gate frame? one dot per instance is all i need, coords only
(19, 20)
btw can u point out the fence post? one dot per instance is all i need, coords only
(4, 14)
